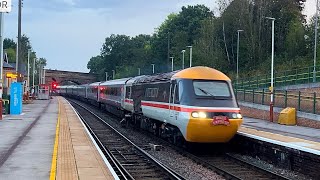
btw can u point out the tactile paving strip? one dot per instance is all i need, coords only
(79, 158)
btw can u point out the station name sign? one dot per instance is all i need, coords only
(5, 6)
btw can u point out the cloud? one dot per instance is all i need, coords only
(310, 8)
(69, 32)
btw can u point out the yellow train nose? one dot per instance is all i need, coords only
(205, 131)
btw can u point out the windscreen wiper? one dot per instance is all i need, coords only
(206, 92)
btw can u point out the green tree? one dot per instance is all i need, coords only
(9, 43)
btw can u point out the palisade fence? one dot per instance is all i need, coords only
(302, 101)
(284, 78)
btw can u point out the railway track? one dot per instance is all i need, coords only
(234, 168)
(224, 164)
(128, 159)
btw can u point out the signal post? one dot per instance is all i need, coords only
(5, 7)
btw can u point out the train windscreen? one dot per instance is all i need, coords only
(211, 89)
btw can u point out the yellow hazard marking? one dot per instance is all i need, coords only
(55, 148)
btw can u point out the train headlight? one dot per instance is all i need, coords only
(201, 115)
(236, 116)
(195, 114)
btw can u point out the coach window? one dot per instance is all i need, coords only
(154, 92)
(147, 92)
(129, 92)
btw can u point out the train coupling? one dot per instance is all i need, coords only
(125, 121)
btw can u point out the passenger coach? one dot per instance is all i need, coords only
(197, 104)
(197, 101)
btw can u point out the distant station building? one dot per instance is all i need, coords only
(10, 75)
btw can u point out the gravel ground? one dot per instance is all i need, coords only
(168, 156)
(265, 165)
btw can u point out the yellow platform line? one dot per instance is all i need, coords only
(55, 148)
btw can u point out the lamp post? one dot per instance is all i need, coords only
(106, 76)
(28, 79)
(152, 68)
(139, 71)
(44, 76)
(19, 47)
(183, 51)
(113, 74)
(40, 73)
(171, 63)
(272, 64)
(238, 44)
(1, 55)
(33, 71)
(315, 42)
(190, 55)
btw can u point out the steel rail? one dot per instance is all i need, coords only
(167, 169)
(121, 170)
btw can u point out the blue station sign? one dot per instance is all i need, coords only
(16, 98)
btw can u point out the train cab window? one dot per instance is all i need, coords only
(211, 89)
(173, 93)
(180, 90)
(176, 94)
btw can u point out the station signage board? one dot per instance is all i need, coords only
(11, 75)
(5, 6)
(16, 98)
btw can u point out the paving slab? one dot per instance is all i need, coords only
(31, 158)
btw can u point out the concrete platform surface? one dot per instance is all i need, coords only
(293, 131)
(78, 157)
(297, 137)
(26, 141)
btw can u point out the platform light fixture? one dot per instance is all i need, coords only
(152, 68)
(315, 42)
(183, 51)
(190, 55)
(171, 63)
(272, 66)
(238, 44)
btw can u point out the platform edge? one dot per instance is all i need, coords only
(97, 147)
(55, 148)
(285, 144)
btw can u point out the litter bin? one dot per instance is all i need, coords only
(288, 116)
(5, 106)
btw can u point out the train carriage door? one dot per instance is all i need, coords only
(137, 97)
(172, 101)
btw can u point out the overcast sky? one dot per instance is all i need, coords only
(69, 32)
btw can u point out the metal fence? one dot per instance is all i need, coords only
(301, 100)
(285, 78)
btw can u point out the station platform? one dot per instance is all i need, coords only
(48, 141)
(296, 137)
